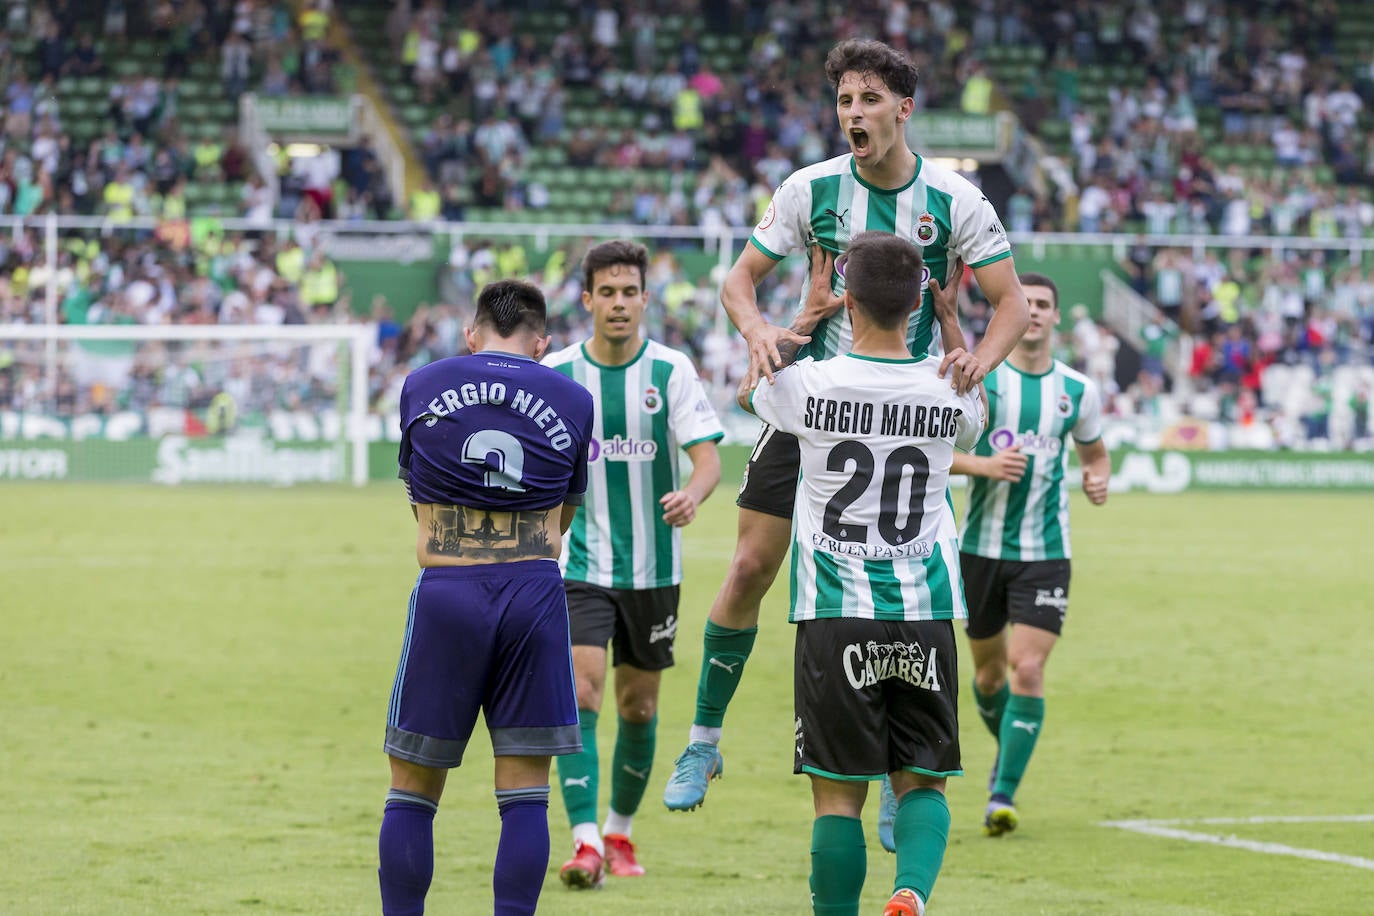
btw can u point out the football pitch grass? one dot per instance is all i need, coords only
(193, 685)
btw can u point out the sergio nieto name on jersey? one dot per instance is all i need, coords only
(531, 405)
(494, 430)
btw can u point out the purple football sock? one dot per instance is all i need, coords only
(523, 854)
(406, 850)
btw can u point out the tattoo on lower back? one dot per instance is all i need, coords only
(480, 534)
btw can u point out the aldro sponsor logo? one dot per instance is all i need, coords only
(621, 448)
(871, 662)
(1031, 443)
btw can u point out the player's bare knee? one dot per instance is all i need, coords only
(639, 709)
(1027, 676)
(903, 781)
(990, 678)
(589, 692)
(748, 580)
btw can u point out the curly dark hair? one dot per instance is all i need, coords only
(857, 55)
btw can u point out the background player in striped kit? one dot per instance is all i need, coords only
(879, 185)
(623, 564)
(494, 456)
(875, 581)
(1014, 542)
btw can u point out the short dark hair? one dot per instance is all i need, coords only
(609, 254)
(512, 305)
(883, 273)
(1030, 278)
(858, 55)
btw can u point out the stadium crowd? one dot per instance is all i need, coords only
(1137, 159)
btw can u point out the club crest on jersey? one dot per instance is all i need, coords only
(1064, 405)
(653, 400)
(925, 229)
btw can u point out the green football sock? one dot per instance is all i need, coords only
(991, 707)
(839, 863)
(724, 652)
(577, 773)
(1020, 729)
(630, 764)
(921, 832)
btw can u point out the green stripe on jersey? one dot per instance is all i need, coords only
(662, 478)
(829, 585)
(831, 234)
(942, 603)
(886, 588)
(921, 333)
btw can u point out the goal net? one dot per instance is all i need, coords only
(183, 404)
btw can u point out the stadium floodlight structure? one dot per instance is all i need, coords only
(52, 368)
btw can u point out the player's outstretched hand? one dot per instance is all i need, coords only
(965, 369)
(1008, 464)
(766, 348)
(1095, 487)
(678, 508)
(820, 301)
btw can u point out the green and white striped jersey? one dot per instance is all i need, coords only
(873, 532)
(827, 204)
(645, 411)
(1029, 519)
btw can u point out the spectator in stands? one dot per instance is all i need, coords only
(235, 65)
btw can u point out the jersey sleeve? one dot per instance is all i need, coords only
(691, 418)
(972, 421)
(1089, 425)
(779, 404)
(406, 449)
(977, 234)
(786, 222)
(577, 483)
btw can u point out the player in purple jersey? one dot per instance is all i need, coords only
(494, 456)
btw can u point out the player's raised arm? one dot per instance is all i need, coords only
(945, 300)
(772, 347)
(1011, 317)
(739, 295)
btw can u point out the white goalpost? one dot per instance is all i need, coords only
(276, 404)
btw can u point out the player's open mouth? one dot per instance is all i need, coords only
(858, 137)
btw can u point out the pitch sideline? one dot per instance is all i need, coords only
(1165, 828)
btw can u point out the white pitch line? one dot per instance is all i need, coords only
(1260, 819)
(1161, 829)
